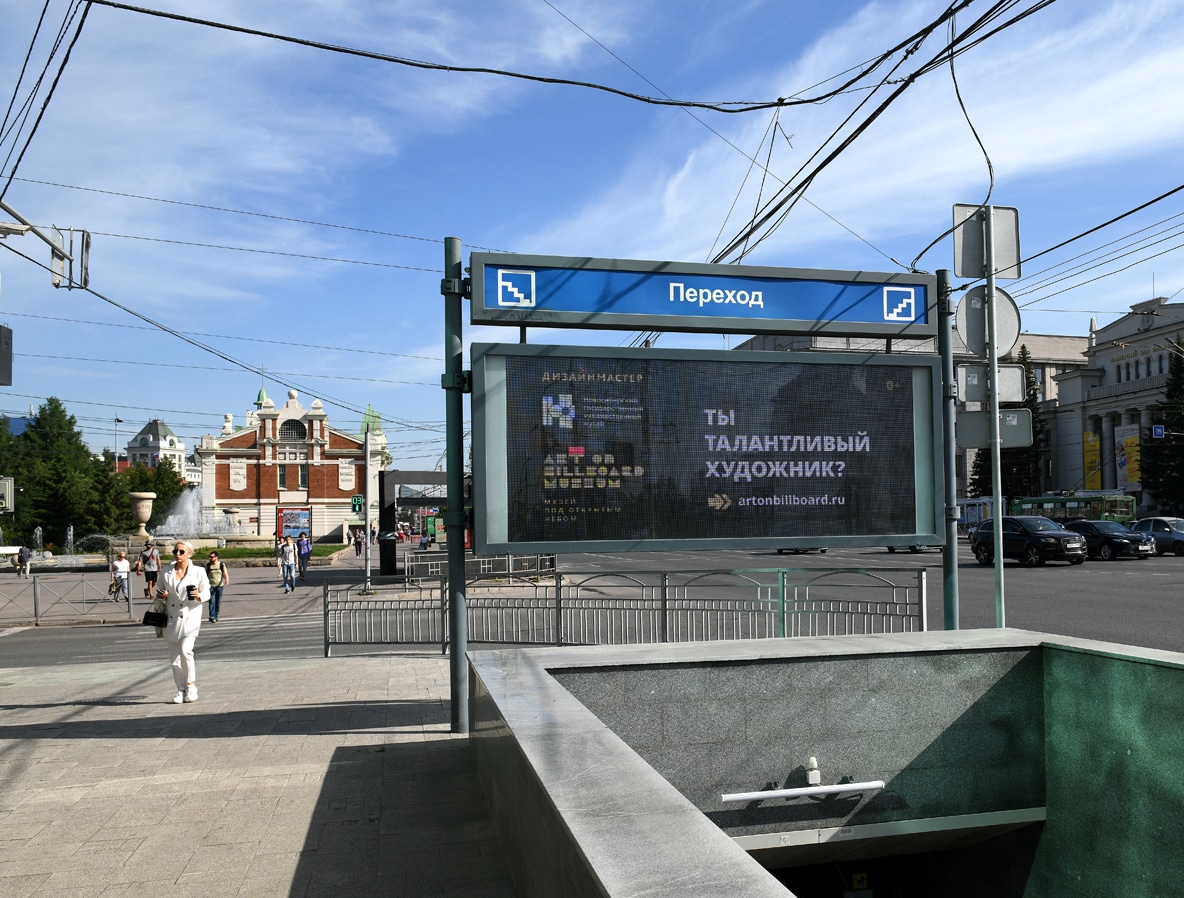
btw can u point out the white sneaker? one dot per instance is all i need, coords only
(191, 694)
(179, 697)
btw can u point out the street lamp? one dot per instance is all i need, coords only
(118, 421)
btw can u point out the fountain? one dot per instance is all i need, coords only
(70, 540)
(37, 538)
(187, 518)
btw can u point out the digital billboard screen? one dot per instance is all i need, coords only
(580, 449)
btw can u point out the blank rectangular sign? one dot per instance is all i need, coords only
(588, 449)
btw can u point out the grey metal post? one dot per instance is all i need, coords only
(945, 341)
(325, 614)
(665, 607)
(923, 600)
(558, 608)
(367, 522)
(987, 214)
(454, 384)
(36, 599)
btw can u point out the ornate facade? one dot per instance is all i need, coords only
(288, 456)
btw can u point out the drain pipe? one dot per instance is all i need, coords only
(803, 792)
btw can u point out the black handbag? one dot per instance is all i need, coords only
(155, 619)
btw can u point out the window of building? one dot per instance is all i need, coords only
(304, 477)
(1161, 364)
(1137, 374)
(1118, 373)
(283, 475)
(293, 430)
(1128, 370)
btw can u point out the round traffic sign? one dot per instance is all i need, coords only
(971, 320)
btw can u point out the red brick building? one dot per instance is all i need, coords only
(288, 456)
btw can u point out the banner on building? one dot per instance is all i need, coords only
(1091, 451)
(1126, 456)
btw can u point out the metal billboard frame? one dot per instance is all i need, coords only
(489, 435)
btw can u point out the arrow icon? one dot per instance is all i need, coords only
(719, 503)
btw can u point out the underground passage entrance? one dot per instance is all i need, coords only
(992, 763)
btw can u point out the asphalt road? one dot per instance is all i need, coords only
(1125, 601)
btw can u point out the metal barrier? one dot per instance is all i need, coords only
(41, 596)
(433, 564)
(629, 608)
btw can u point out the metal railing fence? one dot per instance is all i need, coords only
(76, 596)
(637, 607)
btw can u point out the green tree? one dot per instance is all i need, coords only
(57, 477)
(164, 480)
(1021, 468)
(1162, 462)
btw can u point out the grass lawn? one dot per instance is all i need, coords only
(239, 552)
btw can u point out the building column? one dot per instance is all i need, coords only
(1109, 471)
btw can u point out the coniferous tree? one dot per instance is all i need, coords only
(1162, 460)
(1021, 468)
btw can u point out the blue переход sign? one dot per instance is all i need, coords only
(560, 291)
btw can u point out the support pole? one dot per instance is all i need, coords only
(945, 338)
(454, 519)
(987, 215)
(367, 520)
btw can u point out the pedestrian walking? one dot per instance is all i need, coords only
(287, 562)
(358, 543)
(23, 557)
(219, 578)
(303, 553)
(148, 564)
(183, 587)
(374, 535)
(121, 570)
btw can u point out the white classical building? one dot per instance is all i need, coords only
(1108, 408)
(155, 441)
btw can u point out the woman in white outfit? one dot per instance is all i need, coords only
(184, 588)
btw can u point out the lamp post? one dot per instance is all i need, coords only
(118, 421)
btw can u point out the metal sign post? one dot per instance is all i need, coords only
(987, 217)
(455, 383)
(949, 397)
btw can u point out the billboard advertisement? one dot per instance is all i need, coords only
(582, 449)
(292, 520)
(1127, 459)
(1091, 453)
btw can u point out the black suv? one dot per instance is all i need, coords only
(1031, 539)
(1109, 539)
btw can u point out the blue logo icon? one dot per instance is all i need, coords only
(900, 304)
(515, 289)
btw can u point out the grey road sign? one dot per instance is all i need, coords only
(971, 319)
(969, 249)
(973, 429)
(972, 383)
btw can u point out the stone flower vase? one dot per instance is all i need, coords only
(142, 511)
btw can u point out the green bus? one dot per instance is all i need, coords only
(1096, 505)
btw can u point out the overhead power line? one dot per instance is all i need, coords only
(725, 106)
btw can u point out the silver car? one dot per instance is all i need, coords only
(1168, 533)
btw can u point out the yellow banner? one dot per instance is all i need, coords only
(1091, 448)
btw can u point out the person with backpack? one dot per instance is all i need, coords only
(219, 578)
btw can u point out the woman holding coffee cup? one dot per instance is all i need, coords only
(183, 587)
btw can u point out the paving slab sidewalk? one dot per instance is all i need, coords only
(321, 778)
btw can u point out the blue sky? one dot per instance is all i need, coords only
(174, 139)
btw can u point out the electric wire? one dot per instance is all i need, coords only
(189, 367)
(45, 103)
(727, 106)
(264, 252)
(16, 88)
(396, 355)
(339, 403)
(285, 218)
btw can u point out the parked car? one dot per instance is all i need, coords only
(1030, 539)
(1168, 533)
(1109, 539)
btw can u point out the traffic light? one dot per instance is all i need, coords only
(357, 503)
